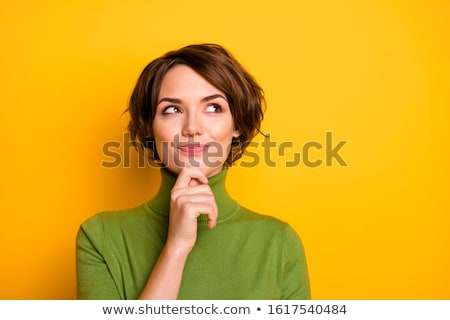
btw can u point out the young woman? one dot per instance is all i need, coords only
(194, 110)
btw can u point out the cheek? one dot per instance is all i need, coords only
(223, 131)
(163, 132)
(161, 135)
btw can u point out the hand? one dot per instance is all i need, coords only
(190, 197)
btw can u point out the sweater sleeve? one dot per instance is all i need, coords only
(94, 280)
(295, 272)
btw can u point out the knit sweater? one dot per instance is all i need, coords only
(246, 256)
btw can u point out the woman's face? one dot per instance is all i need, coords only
(193, 125)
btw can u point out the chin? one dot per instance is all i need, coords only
(208, 171)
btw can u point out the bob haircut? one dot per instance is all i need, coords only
(217, 66)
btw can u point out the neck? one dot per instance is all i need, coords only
(226, 206)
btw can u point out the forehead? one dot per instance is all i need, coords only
(181, 81)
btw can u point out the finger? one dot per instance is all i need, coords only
(195, 199)
(202, 204)
(194, 182)
(187, 175)
(202, 189)
(212, 222)
(195, 209)
(211, 213)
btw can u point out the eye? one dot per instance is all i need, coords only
(171, 109)
(213, 108)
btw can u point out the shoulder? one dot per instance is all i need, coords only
(281, 234)
(261, 218)
(114, 219)
(270, 225)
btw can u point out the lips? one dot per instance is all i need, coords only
(192, 148)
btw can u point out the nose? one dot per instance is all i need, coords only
(191, 126)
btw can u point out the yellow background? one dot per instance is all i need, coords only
(375, 73)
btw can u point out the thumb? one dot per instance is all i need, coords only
(193, 182)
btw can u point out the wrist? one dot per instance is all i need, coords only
(177, 251)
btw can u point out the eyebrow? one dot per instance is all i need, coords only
(205, 99)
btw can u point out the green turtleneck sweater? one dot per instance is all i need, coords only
(246, 256)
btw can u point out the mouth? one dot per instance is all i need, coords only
(192, 148)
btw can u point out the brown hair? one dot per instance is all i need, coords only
(215, 64)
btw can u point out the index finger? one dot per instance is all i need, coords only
(187, 174)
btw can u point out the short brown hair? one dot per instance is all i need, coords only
(215, 64)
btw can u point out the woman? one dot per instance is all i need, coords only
(195, 110)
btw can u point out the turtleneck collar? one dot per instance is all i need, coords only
(227, 207)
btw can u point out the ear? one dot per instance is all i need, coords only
(236, 133)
